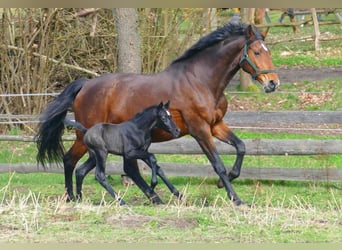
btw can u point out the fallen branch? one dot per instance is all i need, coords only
(306, 39)
(45, 58)
(86, 11)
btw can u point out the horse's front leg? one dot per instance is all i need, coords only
(222, 132)
(206, 142)
(168, 183)
(132, 170)
(149, 159)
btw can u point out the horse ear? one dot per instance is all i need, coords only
(167, 104)
(250, 32)
(160, 105)
(264, 33)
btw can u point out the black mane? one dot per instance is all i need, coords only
(228, 30)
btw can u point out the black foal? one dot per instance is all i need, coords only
(130, 139)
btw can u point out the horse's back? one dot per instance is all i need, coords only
(106, 137)
(117, 97)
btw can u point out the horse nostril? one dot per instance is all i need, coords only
(272, 85)
(178, 131)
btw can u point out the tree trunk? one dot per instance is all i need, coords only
(316, 27)
(126, 23)
(247, 16)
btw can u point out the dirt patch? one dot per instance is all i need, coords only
(298, 74)
(134, 221)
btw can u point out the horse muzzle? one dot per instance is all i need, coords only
(175, 132)
(271, 86)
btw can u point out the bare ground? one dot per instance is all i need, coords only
(293, 75)
(296, 74)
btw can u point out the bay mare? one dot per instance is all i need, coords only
(194, 83)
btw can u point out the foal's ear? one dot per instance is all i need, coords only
(167, 104)
(160, 105)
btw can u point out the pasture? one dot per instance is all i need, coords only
(33, 208)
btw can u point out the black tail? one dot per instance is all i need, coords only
(75, 124)
(51, 127)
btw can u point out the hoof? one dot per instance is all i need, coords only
(240, 203)
(220, 184)
(121, 202)
(156, 200)
(180, 196)
(70, 198)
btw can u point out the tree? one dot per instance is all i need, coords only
(247, 16)
(128, 41)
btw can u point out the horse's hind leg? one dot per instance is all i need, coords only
(132, 170)
(70, 160)
(101, 175)
(81, 172)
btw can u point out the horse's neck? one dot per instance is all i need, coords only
(227, 59)
(222, 65)
(216, 66)
(145, 122)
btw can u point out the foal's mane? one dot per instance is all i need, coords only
(221, 34)
(142, 115)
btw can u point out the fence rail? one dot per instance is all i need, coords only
(238, 117)
(187, 145)
(200, 170)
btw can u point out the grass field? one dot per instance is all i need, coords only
(33, 208)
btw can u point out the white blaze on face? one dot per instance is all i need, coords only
(168, 113)
(264, 46)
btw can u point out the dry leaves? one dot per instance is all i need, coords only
(314, 99)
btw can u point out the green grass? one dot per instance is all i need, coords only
(299, 53)
(33, 210)
(327, 95)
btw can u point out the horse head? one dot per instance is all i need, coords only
(256, 60)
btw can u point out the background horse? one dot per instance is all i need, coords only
(130, 139)
(194, 83)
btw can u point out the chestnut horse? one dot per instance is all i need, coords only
(194, 83)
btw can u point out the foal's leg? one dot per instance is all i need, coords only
(151, 161)
(172, 188)
(81, 172)
(100, 174)
(223, 133)
(132, 170)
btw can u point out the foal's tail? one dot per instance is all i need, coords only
(75, 124)
(51, 127)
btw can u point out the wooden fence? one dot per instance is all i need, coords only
(239, 119)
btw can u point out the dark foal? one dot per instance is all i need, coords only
(130, 139)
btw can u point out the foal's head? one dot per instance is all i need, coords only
(165, 120)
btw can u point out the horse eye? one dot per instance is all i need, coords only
(256, 53)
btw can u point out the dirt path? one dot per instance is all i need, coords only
(298, 74)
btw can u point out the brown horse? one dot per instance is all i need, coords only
(194, 83)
